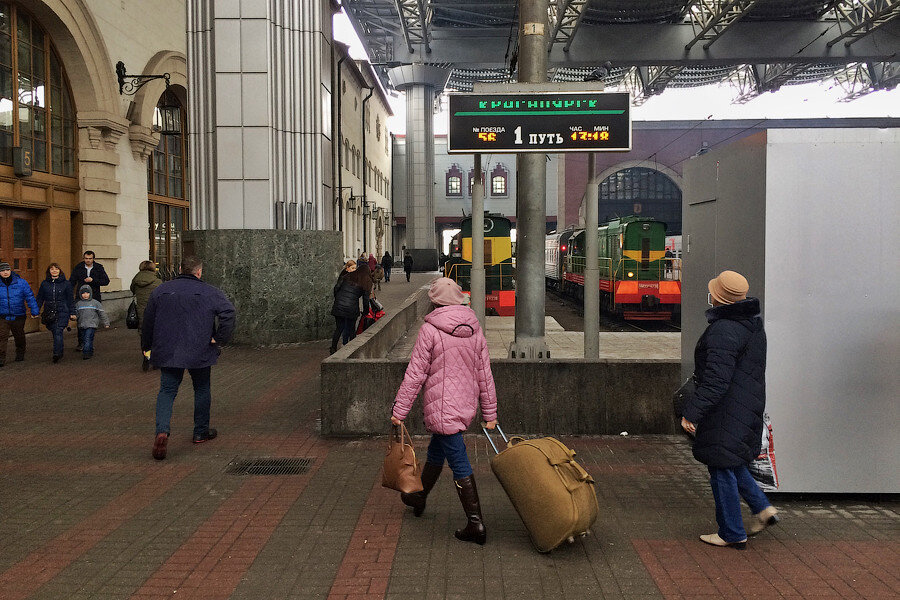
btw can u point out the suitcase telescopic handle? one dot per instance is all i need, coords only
(488, 435)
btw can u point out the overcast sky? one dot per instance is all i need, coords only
(811, 100)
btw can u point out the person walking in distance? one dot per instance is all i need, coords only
(184, 325)
(407, 264)
(387, 262)
(90, 272)
(144, 282)
(450, 359)
(15, 294)
(725, 412)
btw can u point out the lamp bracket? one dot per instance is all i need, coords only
(130, 84)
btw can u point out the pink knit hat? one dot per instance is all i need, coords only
(445, 292)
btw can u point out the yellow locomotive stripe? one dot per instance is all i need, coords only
(501, 249)
(636, 255)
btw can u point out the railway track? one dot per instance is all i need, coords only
(570, 315)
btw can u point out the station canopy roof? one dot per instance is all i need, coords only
(645, 46)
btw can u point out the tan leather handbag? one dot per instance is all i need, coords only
(401, 469)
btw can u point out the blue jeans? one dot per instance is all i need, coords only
(728, 487)
(87, 339)
(453, 449)
(57, 330)
(169, 381)
(387, 275)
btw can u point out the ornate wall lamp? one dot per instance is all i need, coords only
(169, 112)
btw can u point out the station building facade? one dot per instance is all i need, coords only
(81, 166)
(362, 158)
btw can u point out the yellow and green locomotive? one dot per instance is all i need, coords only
(500, 292)
(637, 279)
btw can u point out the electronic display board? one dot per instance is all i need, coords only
(539, 122)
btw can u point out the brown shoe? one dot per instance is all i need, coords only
(159, 446)
(764, 518)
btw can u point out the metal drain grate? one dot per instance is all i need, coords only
(270, 466)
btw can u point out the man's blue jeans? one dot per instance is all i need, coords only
(728, 487)
(169, 381)
(87, 337)
(453, 449)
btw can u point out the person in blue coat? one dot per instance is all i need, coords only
(55, 300)
(15, 293)
(185, 323)
(725, 412)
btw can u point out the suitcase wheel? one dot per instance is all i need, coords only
(571, 539)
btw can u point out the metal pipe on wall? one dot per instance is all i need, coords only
(476, 282)
(591, 267)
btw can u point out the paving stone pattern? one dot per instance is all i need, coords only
(86, 513)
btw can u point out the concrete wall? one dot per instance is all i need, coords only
(279, 281)
(555, 397)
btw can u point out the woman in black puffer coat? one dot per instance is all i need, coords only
(353, 283)
(726, 410)
(55, 297)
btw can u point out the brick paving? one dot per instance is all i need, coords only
(85, 513)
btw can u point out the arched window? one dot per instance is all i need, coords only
(358, 171)
(498, 181)
(167, 194)
(454, 181)
(346, 154)
(353, 166)
(643, 191)
(378, 127)
(36, 108)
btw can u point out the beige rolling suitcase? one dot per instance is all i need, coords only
(552, 493)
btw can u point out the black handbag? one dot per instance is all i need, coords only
(48, 317)
(131, 316)
(682, 394)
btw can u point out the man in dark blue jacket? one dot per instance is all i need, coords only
(726, 410)
(15, 293)
(88, 272)
(185, 322)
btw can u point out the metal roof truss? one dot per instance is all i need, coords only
(864, 78)
(565, 18)
(415, 20)
(859, 18)
(711, 18)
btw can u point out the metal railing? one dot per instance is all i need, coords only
(664, 269)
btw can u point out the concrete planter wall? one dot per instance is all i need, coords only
(558, 397)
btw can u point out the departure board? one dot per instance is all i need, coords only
(547, 122)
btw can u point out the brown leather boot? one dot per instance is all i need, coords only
(430, 474)
(474, 530)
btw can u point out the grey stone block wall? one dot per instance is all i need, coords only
(279, 281)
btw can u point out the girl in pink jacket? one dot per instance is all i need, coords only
(451, 359)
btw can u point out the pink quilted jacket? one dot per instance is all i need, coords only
(451, 358)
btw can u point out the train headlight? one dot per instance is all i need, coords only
(630, 274)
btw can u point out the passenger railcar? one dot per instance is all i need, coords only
(637, 280)
(500, 294)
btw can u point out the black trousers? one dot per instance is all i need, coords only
(17, 327)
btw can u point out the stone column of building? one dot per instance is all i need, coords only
(259, 91)
(99, 217)
(259, 82)
(421, 83)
